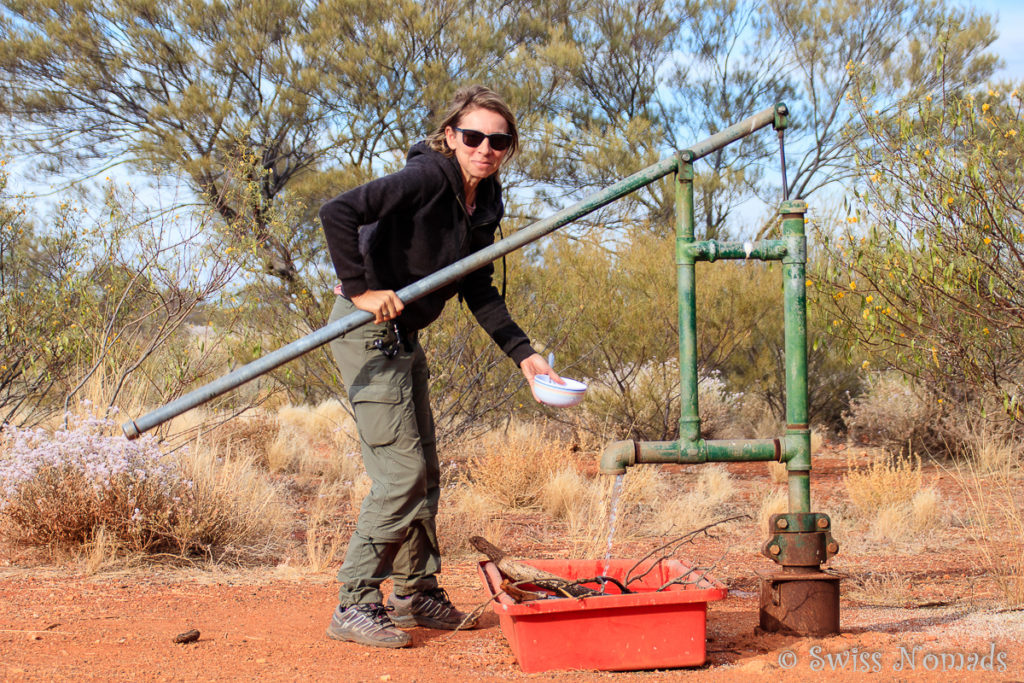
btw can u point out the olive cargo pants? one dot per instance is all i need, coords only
(395, 535)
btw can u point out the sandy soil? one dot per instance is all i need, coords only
(268, 623)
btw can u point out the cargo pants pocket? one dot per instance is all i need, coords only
(378, 412)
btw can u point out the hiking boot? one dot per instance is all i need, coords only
(367, 625)
(431, 609)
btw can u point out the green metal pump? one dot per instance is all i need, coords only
(801, 598)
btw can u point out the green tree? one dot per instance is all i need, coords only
(257, 105)
(910, 46)
(933, 253)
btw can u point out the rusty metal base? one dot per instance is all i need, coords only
(804, 603)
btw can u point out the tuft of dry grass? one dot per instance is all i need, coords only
(469, 514)
(100, 552)
(324, 540)
(884, 589)
(995, 501)
(989, 451)
(887, 496)
(233, 512)
(563, 492)
(695, 508)
(884, 481)
(511, 466)
(773, 502)
(777, 472)
(909, 521)
(244, 436)
(317, 440)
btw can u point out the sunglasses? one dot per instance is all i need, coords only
(472, 138)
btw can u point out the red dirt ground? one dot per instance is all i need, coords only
(268, 624)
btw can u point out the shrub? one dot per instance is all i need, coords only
(512, 466)
(71, 487)
(930, 253)
(60, 488)
(898, 415)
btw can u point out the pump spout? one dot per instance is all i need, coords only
(617, 456)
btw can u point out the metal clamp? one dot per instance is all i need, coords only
(801, 539)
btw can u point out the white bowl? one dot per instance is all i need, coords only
(560, 395)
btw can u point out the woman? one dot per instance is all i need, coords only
(382, 236)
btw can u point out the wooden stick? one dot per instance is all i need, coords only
(520, 572)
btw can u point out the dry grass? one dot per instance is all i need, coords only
(100, 552)
(316, 440)
(908, 522)
(234, 512)
(884, 589)
(512, 466)
(679, 513)
(324, 540)
(244, 436)
(889, 502)
(469, 514)
(777, 472)
(773, 502)
(989, 451)
(885, 481)
(564, 492)
(995, 502)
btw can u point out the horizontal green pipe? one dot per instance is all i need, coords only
(622, 454)
(712, 250)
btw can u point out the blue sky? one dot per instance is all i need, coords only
(1010, 24)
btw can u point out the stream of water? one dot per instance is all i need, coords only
(613, 508)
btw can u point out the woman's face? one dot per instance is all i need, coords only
(481, 161)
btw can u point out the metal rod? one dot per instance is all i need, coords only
(421, 288)
(782, 157)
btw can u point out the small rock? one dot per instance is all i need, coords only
(759, 666)
(386, 677)
(187, 637)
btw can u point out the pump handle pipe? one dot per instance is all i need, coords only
(773, 115)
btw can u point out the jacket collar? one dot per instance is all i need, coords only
(489, 206)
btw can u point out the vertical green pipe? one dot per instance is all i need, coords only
(794, 273)
(689, 415)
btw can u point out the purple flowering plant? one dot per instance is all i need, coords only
(59, 488)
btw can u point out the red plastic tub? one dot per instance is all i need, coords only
(648, 629)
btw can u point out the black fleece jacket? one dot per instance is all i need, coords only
(395, 230)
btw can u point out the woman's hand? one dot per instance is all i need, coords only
(383, 303)
(536, 365)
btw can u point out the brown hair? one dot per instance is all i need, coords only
(466, 99)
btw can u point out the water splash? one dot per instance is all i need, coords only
(612, 511)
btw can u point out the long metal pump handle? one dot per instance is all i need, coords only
(420, 288)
